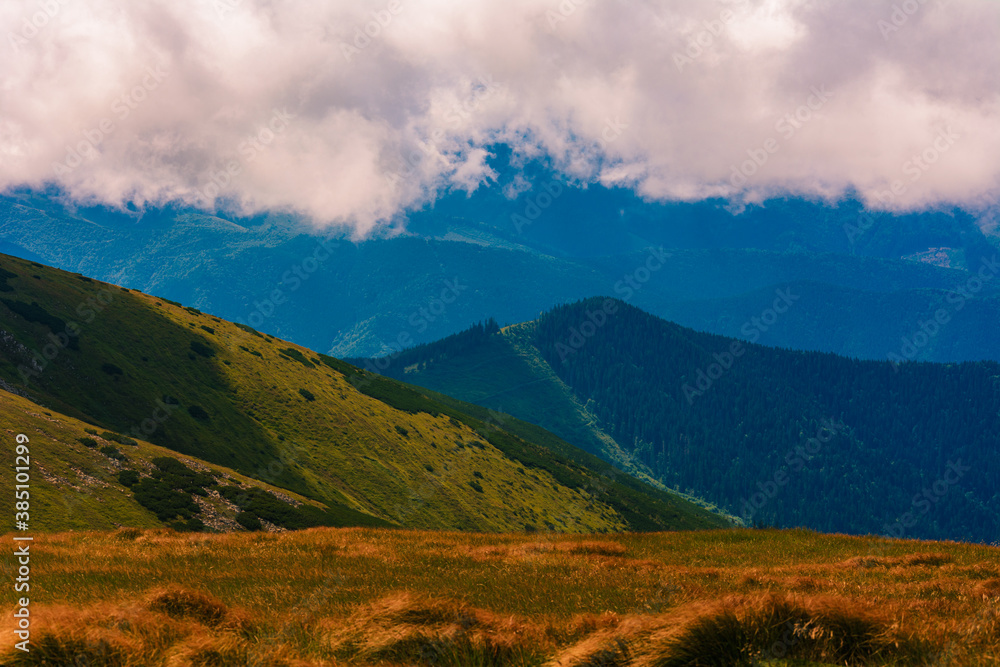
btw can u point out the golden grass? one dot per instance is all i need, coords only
(323, 597)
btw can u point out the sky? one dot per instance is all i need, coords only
(352, 112)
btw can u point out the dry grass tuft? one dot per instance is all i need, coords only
(803, 584)
(127, 534)
(204, 650)
(593, 548)
(63, 648)
(989, 588)
(101, 636)
(554, 547)
(180, 602)
(596, 652)
(408, 627)
(909, 560)
(226, 650)
(610, 645)
(928, 559)
(582, 625)
(173, 627)
(746, 632)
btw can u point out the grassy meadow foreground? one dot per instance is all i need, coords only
(366, 596)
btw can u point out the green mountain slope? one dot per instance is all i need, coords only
(76, 481)
(360, 449)
(775, 436)
(506, 374)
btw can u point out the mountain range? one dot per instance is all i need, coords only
(777, 437)
(866, 280)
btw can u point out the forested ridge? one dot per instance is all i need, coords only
(777, 437)
(747, 430)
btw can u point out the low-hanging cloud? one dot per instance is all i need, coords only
(353, 111)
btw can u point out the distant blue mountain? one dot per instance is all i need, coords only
(530, 241)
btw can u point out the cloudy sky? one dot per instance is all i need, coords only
(352, 111)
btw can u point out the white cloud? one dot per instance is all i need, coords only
(156, 101)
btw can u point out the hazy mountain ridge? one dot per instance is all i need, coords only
(370, 298)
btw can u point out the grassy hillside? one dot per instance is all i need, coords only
(517, 382)
(775, 436)
(326, 597)
(641, 506)
(507, 375)
(77, 480)
(365, 450)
